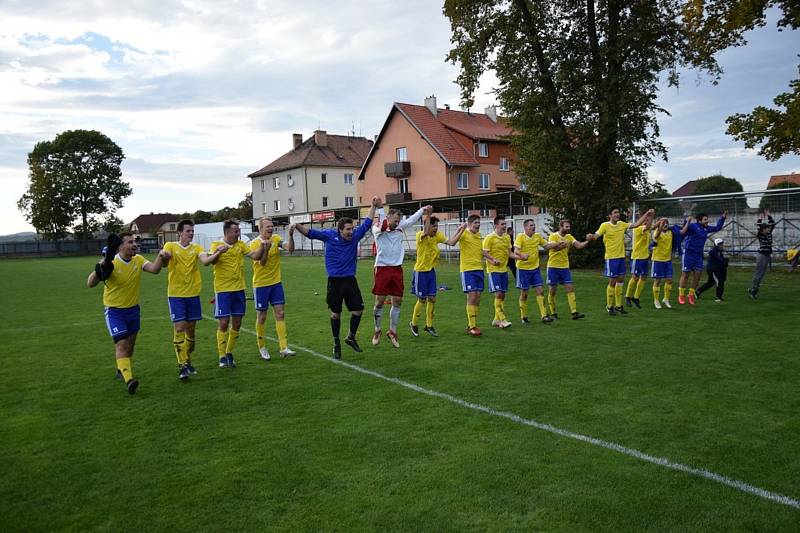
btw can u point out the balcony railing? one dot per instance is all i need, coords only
(397, 169)
(395, 197)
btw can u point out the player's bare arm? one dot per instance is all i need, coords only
(260, 252)
(289, 245)
(457, 235)
(154, 267)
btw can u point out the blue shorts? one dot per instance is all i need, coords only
(639, 267)
(558, 276)
(269, 295)
(423, 284)
(122, 321)
(230, 303)
(185, 309)
(662, 270)
(691, 261)
(472, 281)
(615, 268)
(528, 278)
(498, 282)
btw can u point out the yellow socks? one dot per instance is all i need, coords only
(472, 315)
(681, 291)
(639, 288)
(222, 341)
(280, 330)
(499, 311)
(631, 287)
(573, 305)
(618, 294)
(523, 308)
(125, 368)
(179, 342)
(189, 346)
(429, 314)
(260, 328)
(667, 290)
(691, 292)
(551, 298)
(417, 312)
(609, 296)
(656, 291)
(540, 302)
(233, 336)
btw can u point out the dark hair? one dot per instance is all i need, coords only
(228, 223)
(395, 212)
(564, 221)
(472, 218)
(498, 218)
(700, 216)
(183, 223)
(434, 220)
(126, 234)
(528, 220)
(342, 222)
(613, 208)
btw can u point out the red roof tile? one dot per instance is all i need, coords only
(438, 135)
(687, 189)
(793, 179)
(341, 151)
(475, 125)
(153, 221)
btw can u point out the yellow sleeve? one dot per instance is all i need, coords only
(487, 242)
(625, 224)
(518, 241)
(440, 237)
(255, 244)
(602, 229)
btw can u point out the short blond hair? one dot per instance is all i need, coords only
(264, 219)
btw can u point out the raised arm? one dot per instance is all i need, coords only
(644, 218)
(686, 223)
(457, 235)
(92, 280)
(720, 223)
(259, 253)
(289, 246)
(154, 267)
(267, 245)
(413, 219)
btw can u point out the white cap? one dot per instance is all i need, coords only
(718, 241)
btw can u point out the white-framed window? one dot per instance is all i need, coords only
(348, 201)
(324, 178)
(276, 182)
(289, 181)
(402, 154)
(462, 180)
(402, 185)
(348, 179)
(277, 205)
(324, 201)
(172, 227)
(483, 181)
(483, 149)
(263, 185)
(504, 164)
(290, 204)
(264, 207)
(486, 213)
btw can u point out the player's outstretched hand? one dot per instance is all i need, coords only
(725, 213)
(376, 202)
(428, 209)
(292, 228)
(165, 255)
(524, 257)
(222, 249)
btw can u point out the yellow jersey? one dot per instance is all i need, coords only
(471, 246)
(229, 268)
(270, 273)
(428, 251)
(614, 238)
(663, 248)
(559, 258)
(122, 287)
(641, 240)
(529, 245)
(498, 247)
(183, 274)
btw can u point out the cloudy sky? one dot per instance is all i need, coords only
(199, 94)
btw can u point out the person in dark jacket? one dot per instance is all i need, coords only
(765, 225)
(717, 269)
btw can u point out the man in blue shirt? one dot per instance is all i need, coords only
(694, 240)
(341, 256)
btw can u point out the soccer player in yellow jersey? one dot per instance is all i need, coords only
(497, 249)
(640, 257)
(526, 245)
(558, 272)
(227, 256)
(665, 238)
(423, 280)
(183, 293)
(121, 301)
(267, 286)
(470, 261)
(613, 233)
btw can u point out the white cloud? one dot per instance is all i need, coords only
(721, 153)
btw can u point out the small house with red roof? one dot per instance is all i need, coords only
(784, 180)
(424, 152)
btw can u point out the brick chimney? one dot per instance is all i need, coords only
(491, 112)
(297, 140)
(430, 103)
(321, 138)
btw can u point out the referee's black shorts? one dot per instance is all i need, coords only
(344, 289)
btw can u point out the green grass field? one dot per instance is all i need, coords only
(309, 444)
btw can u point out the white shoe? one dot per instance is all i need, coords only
(264, 353)
(286, 352)
(505, 324)
(657, 304)
(376, 338)
(496, 323)
(666, 303)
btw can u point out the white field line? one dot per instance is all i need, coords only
(71, 325)
(636, 454)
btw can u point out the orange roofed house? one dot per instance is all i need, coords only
(424, 152)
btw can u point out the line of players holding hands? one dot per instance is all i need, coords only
(120, 273)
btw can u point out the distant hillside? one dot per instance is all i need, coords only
(18, 237)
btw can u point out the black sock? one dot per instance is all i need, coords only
(336, 325)
(355, 320)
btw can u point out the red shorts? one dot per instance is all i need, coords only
(388, 281)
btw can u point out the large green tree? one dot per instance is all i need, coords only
(84, 168)
(714, 25)
(578, 82)
(782, 203)
(718, 184)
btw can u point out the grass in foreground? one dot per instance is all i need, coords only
(307, 444)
